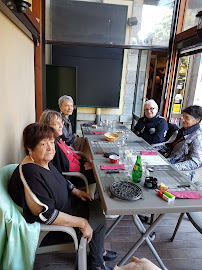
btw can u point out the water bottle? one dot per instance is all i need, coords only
(137, 170)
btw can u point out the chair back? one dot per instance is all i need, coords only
(6, 172)
(170, 136)
(5, 200)
(18, 239)
(172, 128)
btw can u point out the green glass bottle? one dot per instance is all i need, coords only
(137, 170)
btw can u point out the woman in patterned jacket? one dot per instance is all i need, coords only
(185, 153)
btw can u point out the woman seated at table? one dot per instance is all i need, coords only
(151, 127)
(66, 105)
(185, 153)
(65, 160)
(56, 200)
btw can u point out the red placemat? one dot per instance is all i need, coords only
(99, 132)
(113, 167)
(148, 153)
(186, 194)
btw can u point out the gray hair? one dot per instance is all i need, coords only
(47, 116)
(152, 102)
(63, 98)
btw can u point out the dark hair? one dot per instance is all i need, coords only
(36, 132)
(195, 111)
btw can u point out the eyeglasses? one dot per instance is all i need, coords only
(150, 109)
(190, 117)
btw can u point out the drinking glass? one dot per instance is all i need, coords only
(101, 124)
(123, 138)
(121, 154)
(129, 165)
(114, 126)
(127, 134)
(126, 160)
(105, 125)
(145, 171)
(110, 126)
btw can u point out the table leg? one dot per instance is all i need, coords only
(113, 225)
(177, 226)
(142, 230)
(144, 237)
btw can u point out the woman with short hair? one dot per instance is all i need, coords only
(49, 198)
(185, 153)
(151, 127)
(66, 105)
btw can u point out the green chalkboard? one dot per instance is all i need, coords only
(61, 81)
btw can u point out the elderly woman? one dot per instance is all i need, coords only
(152, 127)
(66, 105)
(49, 198)
(185, 153)
(65, 160)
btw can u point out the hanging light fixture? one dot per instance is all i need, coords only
(199, 26)
(22, 5)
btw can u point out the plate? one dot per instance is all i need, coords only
(126, 191)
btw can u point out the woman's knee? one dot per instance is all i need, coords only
(96, 216)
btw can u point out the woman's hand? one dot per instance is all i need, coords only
(81, 194)
(67, 220)
(87, 231)
(87, 166)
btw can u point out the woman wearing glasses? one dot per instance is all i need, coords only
(185, 153)
(65, 160)
(152, 127)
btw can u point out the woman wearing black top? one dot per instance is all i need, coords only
(57, 201)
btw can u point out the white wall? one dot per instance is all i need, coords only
(17, 90)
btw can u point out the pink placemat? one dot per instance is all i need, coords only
(113, 167)
(99, 132)
(186, 194)
(148, 153)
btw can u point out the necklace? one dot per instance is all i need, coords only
(46, 167)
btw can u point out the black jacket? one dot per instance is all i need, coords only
(152, 130)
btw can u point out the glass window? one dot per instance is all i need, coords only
(154, 23)
(198, 96)
(143, 23)
(193, 7)
(181, 84)
(188, 86)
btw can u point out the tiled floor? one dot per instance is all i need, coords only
(184, 253)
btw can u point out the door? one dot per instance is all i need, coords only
(61, 81)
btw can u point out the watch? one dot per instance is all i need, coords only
(71, 186)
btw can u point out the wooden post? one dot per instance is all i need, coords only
(183, 6)
(37, 11)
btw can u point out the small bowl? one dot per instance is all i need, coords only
(113, 158)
